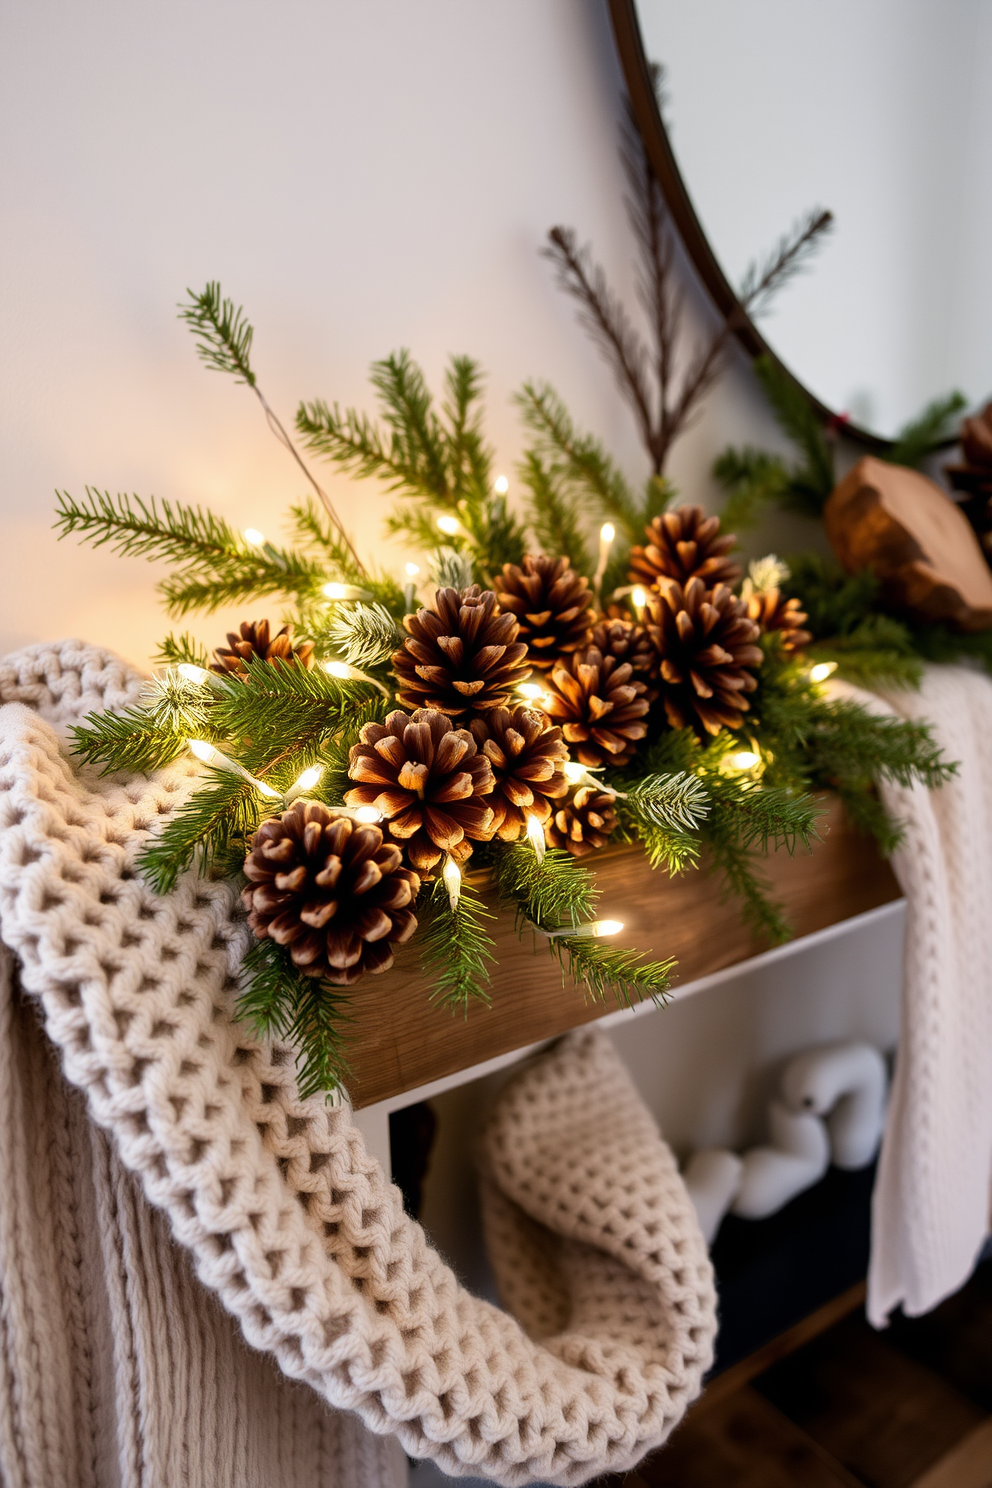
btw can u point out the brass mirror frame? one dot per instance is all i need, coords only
(647, 116)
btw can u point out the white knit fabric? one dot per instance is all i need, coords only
(932, 1197)
(286, 1216)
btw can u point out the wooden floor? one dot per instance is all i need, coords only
(910, 1407)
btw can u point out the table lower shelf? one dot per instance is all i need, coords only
(398, 1041)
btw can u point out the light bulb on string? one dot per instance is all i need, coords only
(592, 930)
(254, 538)
(304, 782)
(822, 671)
(192, 673)
(452, 876)
(346, 673)
(607, 536)
(450, 526)
(501, 485)
(638, 598)
(209, 755)
(535, 834)
(409, 588)
(531, 691)
(346, 591)
(744, 759)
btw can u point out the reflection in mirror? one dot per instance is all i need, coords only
(880, 111)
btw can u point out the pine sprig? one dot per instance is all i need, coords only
(928, 431)
(282, 708)
(148, 735)
(215, 819)
(278, 1001)
(559, 892)
(364, 636)
(455, 948)
(185, 648)
(579, 459)
(222, 332)
(150, 529)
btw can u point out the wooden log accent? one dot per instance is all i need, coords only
(398, 1041)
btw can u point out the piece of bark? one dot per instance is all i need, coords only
(901, 525)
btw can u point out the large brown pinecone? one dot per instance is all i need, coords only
(552, 605)
(461, 655)
(626, 641)
(600, 706)
(706, 646)
(333, 892)
(684, 544)
(255, 639)
(584, 823)
(772, 611)
(527, 757)
(430, 782)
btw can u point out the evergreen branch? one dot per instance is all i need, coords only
(223, 335)
(753, 478)
(760, 911)
(278, 1001)
(364, 636)
(580, 458)
(282, 707)
(257, 573)
(549, 894)
(604, 969)
(209, 824)
(176, 650)
(814, 481)
(552, 515)
(334, 751)
(152, 529)
(469, 458)
(928, 431)
(351, 440)
(451, 568)
(678, 801)
(133, 740)
(850, 743)
(455, 947)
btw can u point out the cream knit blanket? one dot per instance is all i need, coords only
(931, 1202)
(287, 1218)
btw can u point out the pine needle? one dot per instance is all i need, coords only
(455, 948)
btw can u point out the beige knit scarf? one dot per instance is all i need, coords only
(287, 1219)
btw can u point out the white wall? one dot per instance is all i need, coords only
(361, 177)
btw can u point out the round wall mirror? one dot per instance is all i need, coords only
(877, 110)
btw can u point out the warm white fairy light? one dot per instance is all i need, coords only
(308, 779)
(531, 691)
(348, 673)
(450, 526)
(254, 538)
(607, 536)
(822, 671)
(501, 485)
(410, 588)
(192, 673)
(452, 876)
(535, 834)
(211, 756)
(744, 759)
(411, 570)
(638, 598)
(592, 930)
(346, 591)
(369, 816)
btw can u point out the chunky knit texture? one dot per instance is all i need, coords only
(931, 1202)
(287, 1218)
(117, 1368)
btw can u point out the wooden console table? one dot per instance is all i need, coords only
(399, 1042)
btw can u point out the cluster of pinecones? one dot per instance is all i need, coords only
(464, 761)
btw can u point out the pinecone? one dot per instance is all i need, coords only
(552, 605)
(684, 544)
(600, 706)
(460, 656)
(705, 643)
(333, 892)
(427, 778)
(255, 640)
(771, 611)
(584, 823)
(626, 641)
(527, 758)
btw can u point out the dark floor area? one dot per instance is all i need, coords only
(910, 1407)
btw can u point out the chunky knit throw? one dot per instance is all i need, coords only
(287, 1219)
(932, 1196)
